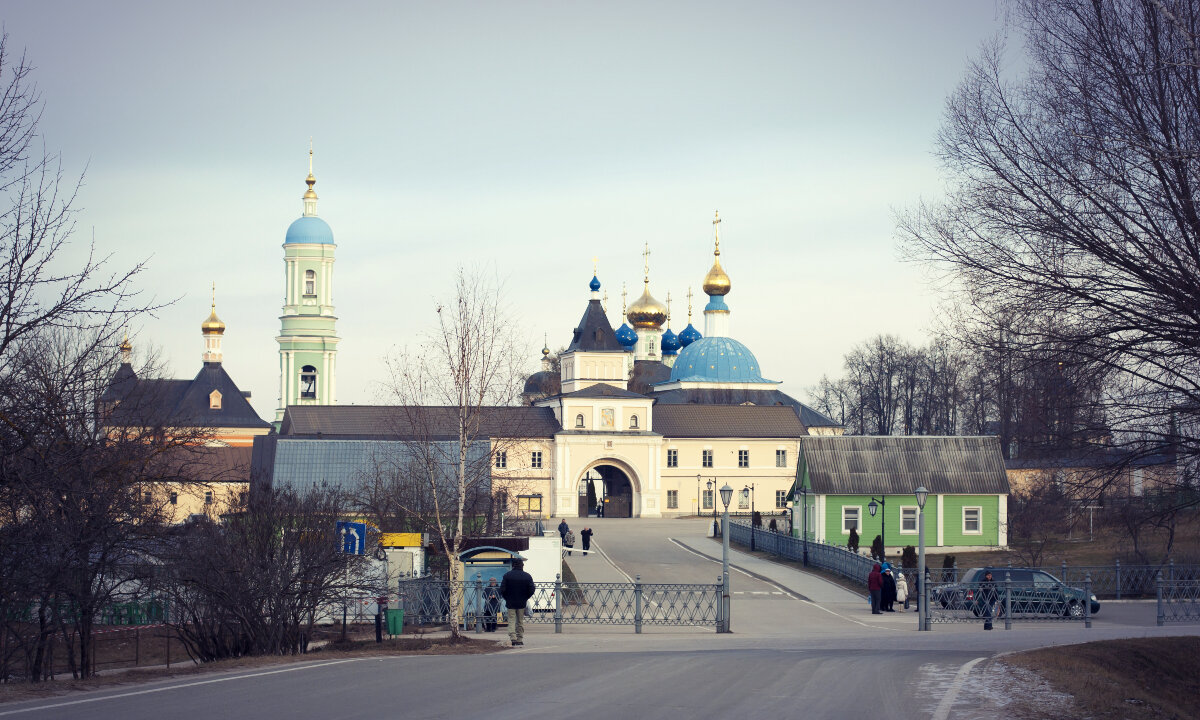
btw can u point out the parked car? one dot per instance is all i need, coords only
(1034, 591)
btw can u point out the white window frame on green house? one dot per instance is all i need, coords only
(780, 499)
(913, 510)
(978, 520)
(672, 499)
(857, 518)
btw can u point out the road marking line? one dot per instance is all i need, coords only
(943, 709)
(616, 567)
(175, 687)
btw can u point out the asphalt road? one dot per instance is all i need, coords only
(800, 646)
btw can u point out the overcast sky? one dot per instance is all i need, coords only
(523, 138)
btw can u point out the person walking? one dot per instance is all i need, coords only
(902, 589)
(887, 593)
(562, 530)
(874, 587)
(516, 588)
(987, 599)
(586, 536)
(491, 608)
(569, 541)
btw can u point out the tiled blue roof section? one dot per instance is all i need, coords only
(307, 463)
(309, 229)
(717, 359)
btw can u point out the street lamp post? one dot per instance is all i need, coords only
(749, 490)
(711, 485)
(923, 597)
(882, 507)
(804, 523)
(726, 496)
(697, 495)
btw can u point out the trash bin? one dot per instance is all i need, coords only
(395, 621)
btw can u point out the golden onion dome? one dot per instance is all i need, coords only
(213, 324)
(716, 282)
(646, 312)
(126, 346)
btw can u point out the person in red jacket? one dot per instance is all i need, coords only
(875, 587)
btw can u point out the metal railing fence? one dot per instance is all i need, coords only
(1178, 600)
(470, 605)
(833, 558)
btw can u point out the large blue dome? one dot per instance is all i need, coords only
(718, 359)
(309, 229)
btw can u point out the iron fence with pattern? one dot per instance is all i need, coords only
(1126, 581)
(432, 601)
(833, 558)
(1178, 600)
(1009, 601)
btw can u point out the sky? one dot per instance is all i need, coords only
(516, 139)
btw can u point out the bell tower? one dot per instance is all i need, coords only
(308, 334)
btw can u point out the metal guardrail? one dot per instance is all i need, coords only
(433, 601)
(1007, 601)
(1178, 600)
(833, 558)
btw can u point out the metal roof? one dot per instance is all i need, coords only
(415, 422)
(861, 465)
(727, 421)
(594, 333)
(600, 390)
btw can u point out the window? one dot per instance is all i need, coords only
(908, 520)
(174, 498)
(310, 282)
(672, 458)
(781, 458)
(672, 499)
(208, 497)
(146, 497)
(971, 523)
(527, 504)
(743, 458)
(781, 498)
(633, 422)
(579, 420)
(242, 498)
(535, 459)
(706, 458)
(501, 459)
(744, 499)
(708, 499)
(850, 515)
(214, 400)
(308, 382)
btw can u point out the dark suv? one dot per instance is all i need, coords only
(1034, 591)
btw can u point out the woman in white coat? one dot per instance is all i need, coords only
(902, 589)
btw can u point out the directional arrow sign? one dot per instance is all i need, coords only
(354, 537)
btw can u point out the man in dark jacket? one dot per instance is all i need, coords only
(516, 588)
(887, 594)
(587, 538)
(875, 587)
(987, 599)
(563, 527)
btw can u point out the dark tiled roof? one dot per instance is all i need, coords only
(727, 421)
(415, 422)
(646, 373)
(857, 465)
(1108, 458)
(179, 402)
(603, 390)
(202, 463)
(594, 333)
(733, 396)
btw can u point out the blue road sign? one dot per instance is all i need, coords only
(354, 537)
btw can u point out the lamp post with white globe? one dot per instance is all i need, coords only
(923, 599)
(726, 496)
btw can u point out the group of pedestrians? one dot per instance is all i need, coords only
(886, 588)
(568, 537)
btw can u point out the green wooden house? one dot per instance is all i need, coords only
(867, 483)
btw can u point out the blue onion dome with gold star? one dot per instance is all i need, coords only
(594, 284)
(689, 335)
(719, 359)
(626, 336)
(309, 228)
(670, 344)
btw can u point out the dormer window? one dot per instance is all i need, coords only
(579, 421)
(310, 282)
(308, 383)
(633, 422)
(214, 400)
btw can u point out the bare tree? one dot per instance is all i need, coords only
(1071, 224)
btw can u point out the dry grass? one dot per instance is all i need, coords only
(1138, 679)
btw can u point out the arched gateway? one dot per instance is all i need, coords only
(611, 489)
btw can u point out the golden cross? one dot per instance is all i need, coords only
(595, 261)
(604, 302)
(717, 231)
(214, 293)
(622, 299)
(668, 310)
(646, 261)
(310, 154)
(689, 305)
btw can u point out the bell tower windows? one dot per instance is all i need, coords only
(310, 282)
(308, 383)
